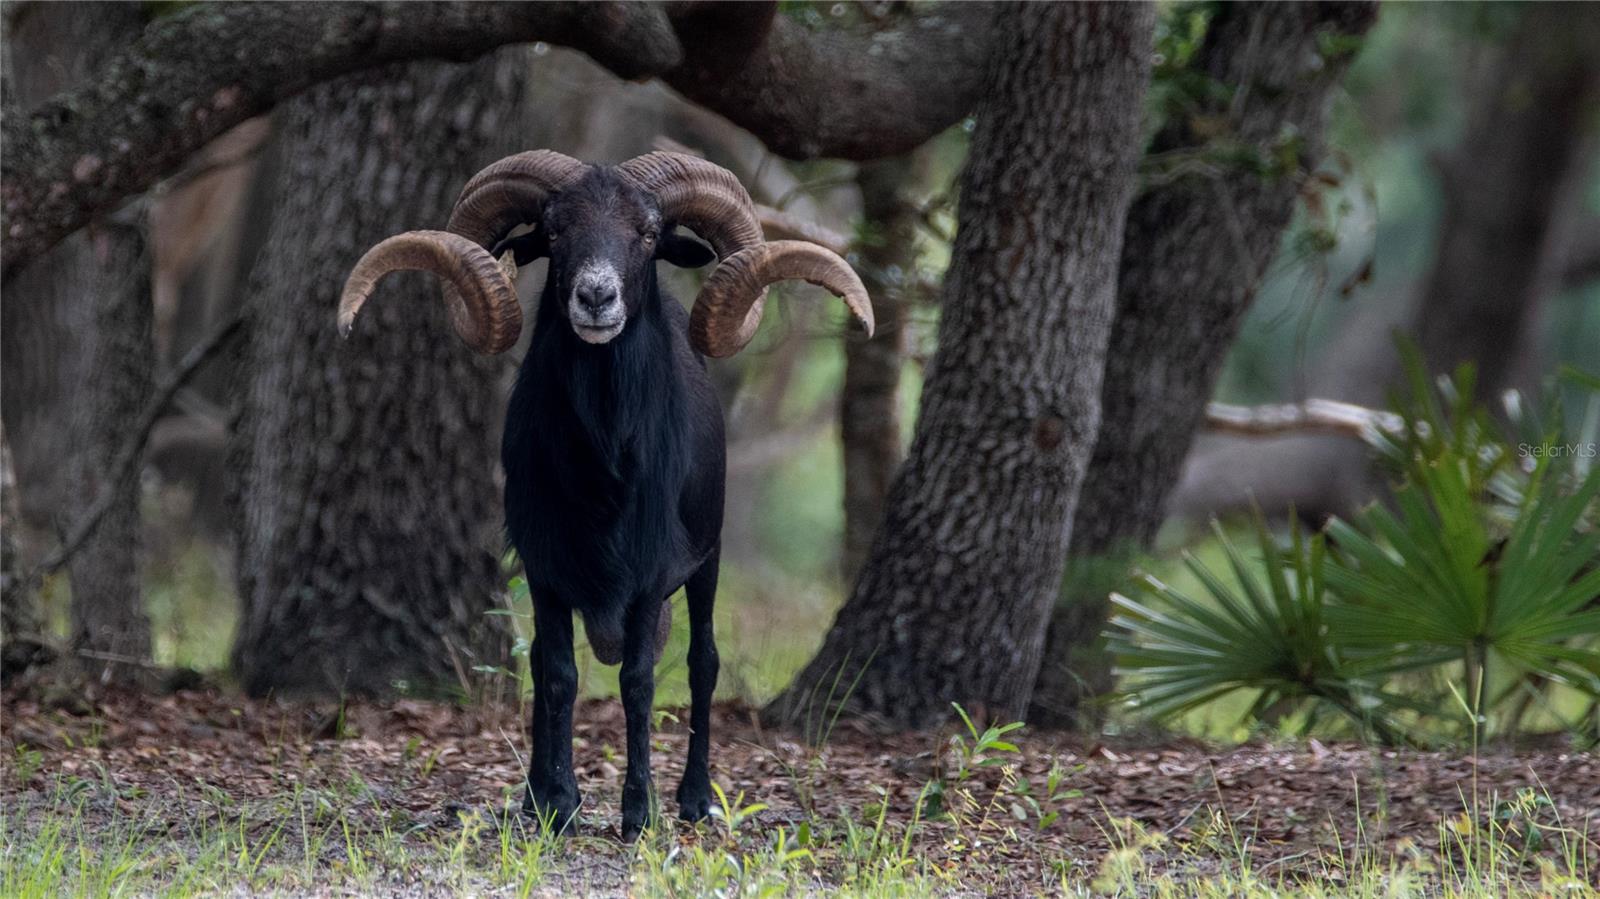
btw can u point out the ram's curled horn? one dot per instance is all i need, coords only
(509, 193)
(702, 196)
(478, 290)
(479, 295)
(503, 195)
(728, 308)
(710, 201)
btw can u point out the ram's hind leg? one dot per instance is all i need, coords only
(552, 787)
(694, 793)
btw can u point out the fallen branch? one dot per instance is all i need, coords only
(126, 462)
(118, 658)
(1311, 416)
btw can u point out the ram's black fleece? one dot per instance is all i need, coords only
(614, 462)
(613, 456)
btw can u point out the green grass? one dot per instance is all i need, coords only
(301, 842)
(68, 843)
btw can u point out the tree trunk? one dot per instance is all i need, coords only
(869, 404)
(1193, 256)
(22, 639)
(1501, 189)
(78, 358)
(110, 631)
(953, 600)
(367, 467)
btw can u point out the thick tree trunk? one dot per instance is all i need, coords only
(953, 601)
(1193, 256)
(367, 467)
(869, 405)
(1501, 188)
(77, 363)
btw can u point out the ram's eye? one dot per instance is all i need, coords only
(551, 234)
(648, 237)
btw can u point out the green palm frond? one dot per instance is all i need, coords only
(1178, 652)
(1430, 579)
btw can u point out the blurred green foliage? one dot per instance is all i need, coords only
(1367, 240)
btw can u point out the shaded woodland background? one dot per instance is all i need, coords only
(203, 482)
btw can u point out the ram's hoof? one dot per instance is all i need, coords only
(555, 817)
(693, 804)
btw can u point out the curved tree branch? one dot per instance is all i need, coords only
(846, 93)
(196, 74)
(851, 93)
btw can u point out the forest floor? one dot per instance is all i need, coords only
(205, 793)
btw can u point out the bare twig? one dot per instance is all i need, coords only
(783, 225)
(127, 459)
(118, 658)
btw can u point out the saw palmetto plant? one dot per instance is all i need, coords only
(1268, 634)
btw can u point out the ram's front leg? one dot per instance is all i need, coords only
(694, 793)
(552, 786)
(638, 682)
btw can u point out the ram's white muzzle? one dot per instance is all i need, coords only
(595, 304)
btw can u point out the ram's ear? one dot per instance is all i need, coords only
(683, 251)
(527, 247)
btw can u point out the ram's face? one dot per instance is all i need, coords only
(602, 235)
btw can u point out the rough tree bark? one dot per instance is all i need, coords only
(1194, 253)
(869, 403)
(110, 631)
(953, 601)
(195, 74)
(370, 513)
(77, 362)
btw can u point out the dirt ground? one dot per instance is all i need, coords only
(420, 763)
